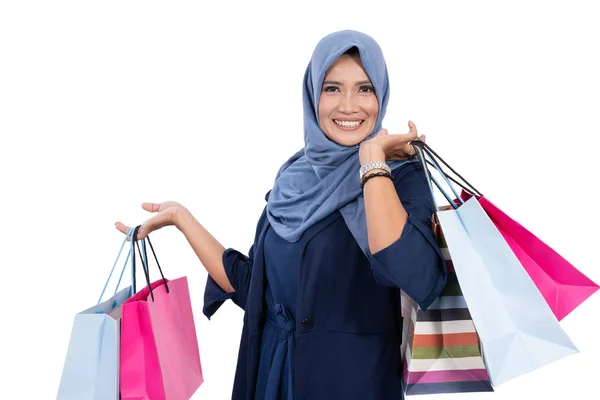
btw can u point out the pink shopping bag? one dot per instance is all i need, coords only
(159, 357)
(563, 286)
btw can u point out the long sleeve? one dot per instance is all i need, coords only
(238, 268)
(414, 262)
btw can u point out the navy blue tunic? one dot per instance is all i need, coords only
(277, 351)
(343, 337)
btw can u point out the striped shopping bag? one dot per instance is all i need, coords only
(441, 348)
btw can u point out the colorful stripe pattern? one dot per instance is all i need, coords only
(442, 351)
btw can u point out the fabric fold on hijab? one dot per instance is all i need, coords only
(323, 177)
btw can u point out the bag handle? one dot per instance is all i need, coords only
(425, 157)
(465, 185)
(422, 162)
(129, 234)
(144, 258)
(133, 242)
(445, 176)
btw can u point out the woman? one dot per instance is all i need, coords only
(344, 229)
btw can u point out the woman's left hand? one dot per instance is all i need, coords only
(384, 146)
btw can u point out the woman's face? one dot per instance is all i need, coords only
(348, 107)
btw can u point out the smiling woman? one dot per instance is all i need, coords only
(346, 226)
(348, 107)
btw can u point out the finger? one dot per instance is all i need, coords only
(412, 127)
(122, 228)
(400, 156)
(143, 231)
(383, 132)
(151, 207)
(413, 134)
(411, 151)
(151, 224)
(408, 149)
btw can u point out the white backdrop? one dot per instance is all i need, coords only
(104, 105)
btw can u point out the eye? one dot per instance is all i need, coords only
(366, 89)
(331, 89)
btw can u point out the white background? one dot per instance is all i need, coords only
(106, 104)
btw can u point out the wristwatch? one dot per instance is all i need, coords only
(373, 165)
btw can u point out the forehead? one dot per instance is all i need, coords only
(348, 67)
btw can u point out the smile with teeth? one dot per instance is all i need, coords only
(348, 124)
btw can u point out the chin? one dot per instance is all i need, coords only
(347, 139)
(347, 142)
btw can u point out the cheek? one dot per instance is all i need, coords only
(325, 108)
(371, 106)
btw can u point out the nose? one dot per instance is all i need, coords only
(348, 103)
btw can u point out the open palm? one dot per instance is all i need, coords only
(164, 216)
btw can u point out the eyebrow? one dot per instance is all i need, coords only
(367, 82)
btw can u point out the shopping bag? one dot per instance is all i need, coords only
(519, 332)
(441, 348)
(159, 348)
(91, 367)
(563, 286)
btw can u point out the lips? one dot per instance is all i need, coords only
(348, 124)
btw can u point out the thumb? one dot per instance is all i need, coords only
(151, 207)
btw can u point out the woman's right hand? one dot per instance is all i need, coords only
(165, 215)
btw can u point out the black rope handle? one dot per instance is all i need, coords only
(133, 272)
(157, 263)
(437, 166)
(427, 176)
(145, 266)
(426, 148)
(462, 186)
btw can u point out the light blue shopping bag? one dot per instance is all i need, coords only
(91, 368)
(519, 332)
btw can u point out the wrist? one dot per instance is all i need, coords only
(182, 218)
(375, 174)
(371, 152)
